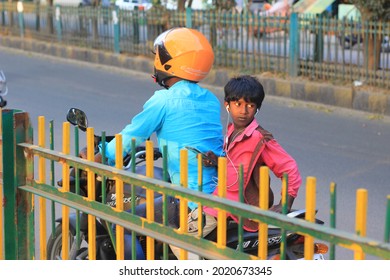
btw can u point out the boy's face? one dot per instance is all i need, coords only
(241, 112)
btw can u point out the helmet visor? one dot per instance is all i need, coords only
(160, 40)
(159, 48)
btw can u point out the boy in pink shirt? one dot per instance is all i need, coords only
(246, 139)
(243, 98)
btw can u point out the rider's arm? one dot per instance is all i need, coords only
(141, 127)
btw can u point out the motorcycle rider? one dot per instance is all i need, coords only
(182, 114)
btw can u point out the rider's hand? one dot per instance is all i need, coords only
(210, 159)
(278, 208)
(83, 153)
(98, 158)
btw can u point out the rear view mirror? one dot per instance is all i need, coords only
(3, 84)
(78, 118)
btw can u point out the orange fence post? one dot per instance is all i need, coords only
(119, 198)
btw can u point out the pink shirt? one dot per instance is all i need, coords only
(240, 151)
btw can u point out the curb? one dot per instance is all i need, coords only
(369, 100)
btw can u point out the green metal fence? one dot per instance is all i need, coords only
(24, 175)
(314, 47)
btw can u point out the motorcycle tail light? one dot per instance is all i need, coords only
(320, 248)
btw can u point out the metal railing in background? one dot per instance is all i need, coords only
(314, 47)
(19, 184)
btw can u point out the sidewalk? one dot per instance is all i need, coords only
(358, 98)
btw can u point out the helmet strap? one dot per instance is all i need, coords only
(161, 80)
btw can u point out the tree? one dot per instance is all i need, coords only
(377, 11)
(181, 5)
(374, 10)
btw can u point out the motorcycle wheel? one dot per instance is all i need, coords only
(54, 244)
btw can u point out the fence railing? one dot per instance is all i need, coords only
(314, 47)
(19, 184)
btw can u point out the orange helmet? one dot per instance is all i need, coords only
(184, 53)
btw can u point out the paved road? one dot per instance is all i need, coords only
(348, 147)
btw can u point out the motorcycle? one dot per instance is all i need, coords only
(104, 246)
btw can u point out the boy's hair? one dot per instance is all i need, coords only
(247, 87)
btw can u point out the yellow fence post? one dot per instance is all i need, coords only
(149, 199)
(1, 224)
(221, 228)
(119, 198)
(42, 180)
(91, 194)
(361, 219)
(183, 202)
(1, 187)
(200, 207)
(263, 204)
(65, 188)
(310, 215)
(283, 243)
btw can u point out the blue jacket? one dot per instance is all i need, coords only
(184, 115)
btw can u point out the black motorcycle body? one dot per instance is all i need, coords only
(250, 241)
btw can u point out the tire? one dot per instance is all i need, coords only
(54, 244)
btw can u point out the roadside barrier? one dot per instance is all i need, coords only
(21, 158)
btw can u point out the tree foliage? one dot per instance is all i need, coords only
(218, 4)
(375, 10)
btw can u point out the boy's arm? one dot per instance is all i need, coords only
(280, 162)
